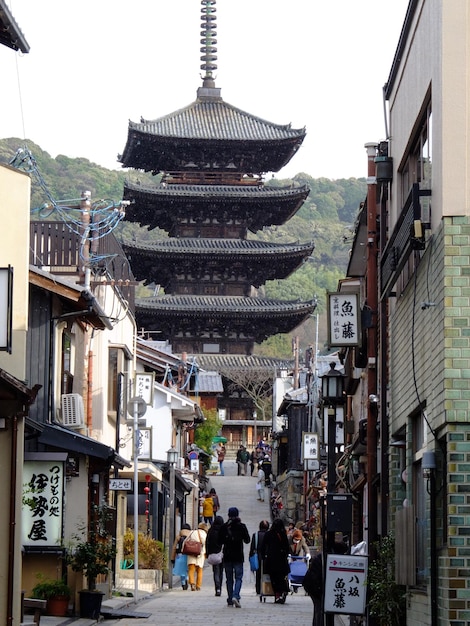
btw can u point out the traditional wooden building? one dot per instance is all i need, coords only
(211, 201)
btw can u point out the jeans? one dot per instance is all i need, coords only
(218, 571)
(221, 465)
(233, 570)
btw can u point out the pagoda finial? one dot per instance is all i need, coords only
(208, 42)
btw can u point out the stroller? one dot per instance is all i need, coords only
(298, 569)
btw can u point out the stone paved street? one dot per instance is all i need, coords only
(203, 608)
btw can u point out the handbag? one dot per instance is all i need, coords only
(254, 562)
(215, 558)
(191, 547)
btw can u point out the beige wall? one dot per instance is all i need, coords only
(14, 251)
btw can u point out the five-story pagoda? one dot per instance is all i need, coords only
(212, 158)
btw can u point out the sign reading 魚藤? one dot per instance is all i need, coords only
(345, 584)
(43, 498)
(344, 320)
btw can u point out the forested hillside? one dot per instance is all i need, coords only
(326, 217)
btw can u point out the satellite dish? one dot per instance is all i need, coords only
(141, 406)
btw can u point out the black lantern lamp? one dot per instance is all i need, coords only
(332, 386)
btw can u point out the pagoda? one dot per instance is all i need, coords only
(211, 200)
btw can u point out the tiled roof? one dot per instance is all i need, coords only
(195, 305)
(219, 192)
(209, 382)
(10, 33)
(162, 206)
(222, 247)
(210, 134)
(215, 119)
(240, 361)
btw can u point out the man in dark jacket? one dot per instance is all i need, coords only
(232, 536)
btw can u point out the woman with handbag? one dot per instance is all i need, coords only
(196, 555)
(275, 561)
(214, 554)
(178, 559)
(256, 550)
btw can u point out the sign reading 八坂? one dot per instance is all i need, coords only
(344, 320)
(345, 584)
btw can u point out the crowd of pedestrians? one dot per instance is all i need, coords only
(222, 541)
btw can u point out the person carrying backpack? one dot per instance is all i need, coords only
(232, 536)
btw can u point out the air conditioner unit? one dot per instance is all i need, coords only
(72, 410)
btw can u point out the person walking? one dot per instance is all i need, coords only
(242, 460)
(196, 563)
(298, 545)
(179, 560)
(253, 462)
(233, 535)
(267, 467)
(256, 546)
(313, 585)
(221, 457)
(275, 559)
(215, 499)
(208, 509)
(260, 483)
(213, 550)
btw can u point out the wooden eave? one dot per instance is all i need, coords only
(77, 297)
(210, 131)
(163, 206)
(256, 261)
(10, 33)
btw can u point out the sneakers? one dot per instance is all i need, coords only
(236, 603)
(217, 592)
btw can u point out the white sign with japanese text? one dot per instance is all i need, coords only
(345, 584)
(120, 484)
(310, 448)
(144, 386)
(344, 327)
(144, 443)
(43, 500)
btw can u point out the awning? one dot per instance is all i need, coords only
(58, 436)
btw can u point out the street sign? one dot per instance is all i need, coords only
(345, 584)
(120, 484)
(141, 406)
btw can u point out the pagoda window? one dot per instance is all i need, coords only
(211, 290)
(211, 348)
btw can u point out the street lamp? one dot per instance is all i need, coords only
(332, 385)
(255, 428)
(171, 457)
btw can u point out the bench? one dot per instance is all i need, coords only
(32, 604)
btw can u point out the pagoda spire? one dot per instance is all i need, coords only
(208, 42)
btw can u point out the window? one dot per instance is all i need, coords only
(118, 368)
(66, 380)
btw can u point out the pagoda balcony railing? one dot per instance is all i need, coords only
(55, 248)
(210, 178)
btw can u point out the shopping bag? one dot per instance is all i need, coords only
(266, 586)
(180, 567)
(254, 562)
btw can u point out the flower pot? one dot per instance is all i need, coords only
(90, 603)
(57, 606)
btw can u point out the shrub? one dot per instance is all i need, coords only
(150, 551)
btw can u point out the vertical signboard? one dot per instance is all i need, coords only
(345, 584)
(344, 320)
(43, 490)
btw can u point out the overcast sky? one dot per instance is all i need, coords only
(95, 65)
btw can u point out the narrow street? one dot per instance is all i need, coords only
(203, 608)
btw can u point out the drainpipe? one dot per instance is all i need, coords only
(372, 303)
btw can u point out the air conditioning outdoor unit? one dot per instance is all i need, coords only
(72, 410)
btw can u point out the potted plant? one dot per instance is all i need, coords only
(152, 561)
(91, 553)
(55, 592)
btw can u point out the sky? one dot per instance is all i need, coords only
(95, 65)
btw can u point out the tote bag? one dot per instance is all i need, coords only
(254, 561)
(215, 558)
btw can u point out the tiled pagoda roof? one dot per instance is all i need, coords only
(172, 141)
(159, 206)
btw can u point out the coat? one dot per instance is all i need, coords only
(199, 535)
(275, 553)
(233, 535)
